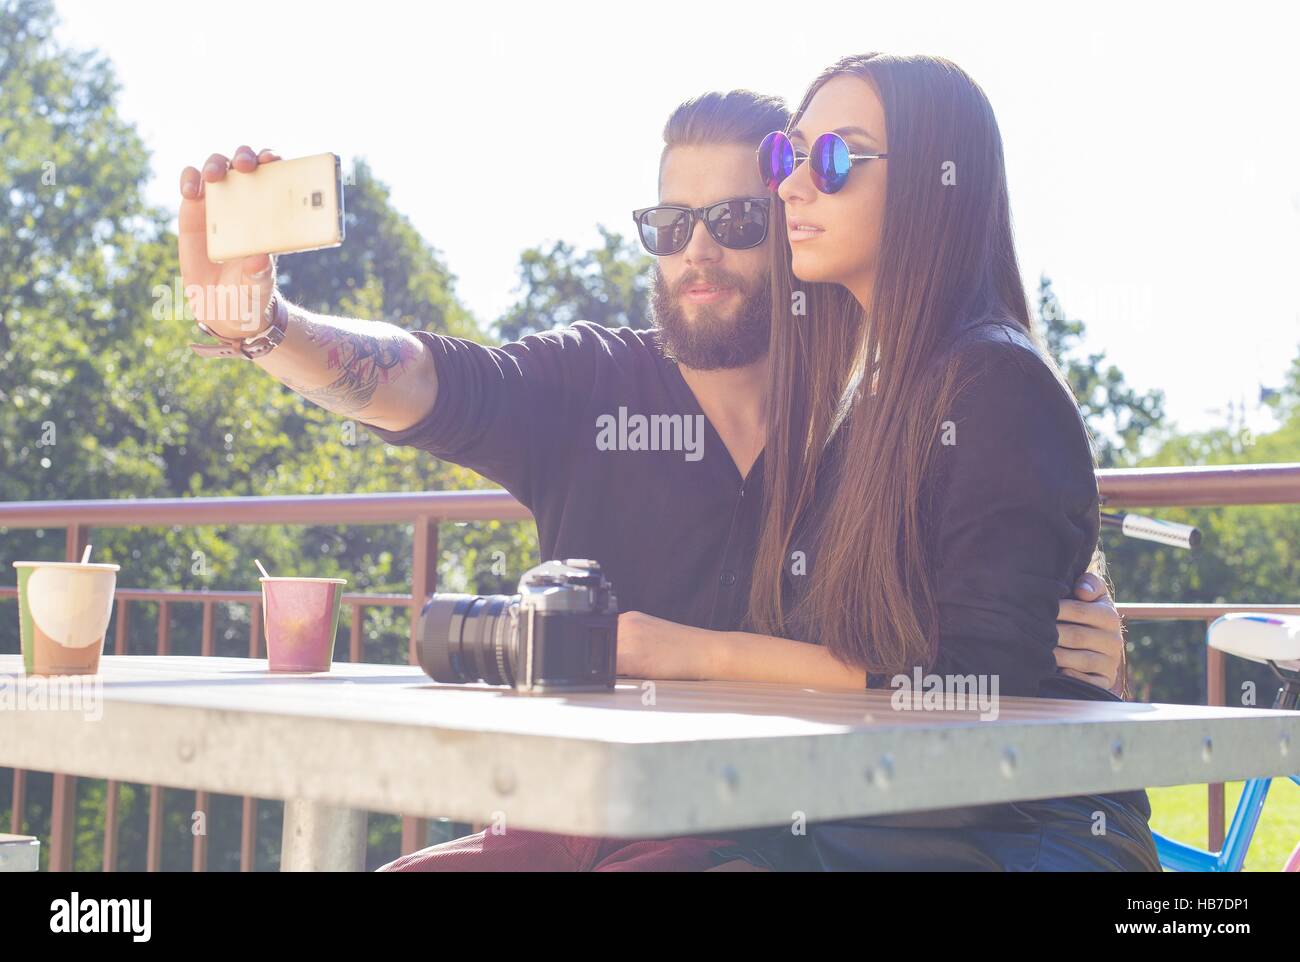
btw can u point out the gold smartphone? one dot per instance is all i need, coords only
(287, 206)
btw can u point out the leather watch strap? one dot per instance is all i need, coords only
(248, 347)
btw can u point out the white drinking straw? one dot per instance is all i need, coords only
(260, 568)
(85, 555)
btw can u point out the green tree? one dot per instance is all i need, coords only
(100, 397)
(76, 242)
(1248, 554)
(384, 271)
(607, 285)
(1119, 418)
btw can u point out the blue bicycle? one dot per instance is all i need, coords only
(1268, 639)
(1272, 640)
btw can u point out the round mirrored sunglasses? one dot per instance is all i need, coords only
(830, 161)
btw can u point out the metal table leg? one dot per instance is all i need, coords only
(322, 838)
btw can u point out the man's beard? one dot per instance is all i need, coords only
(710, 342)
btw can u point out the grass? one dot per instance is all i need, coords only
(1179, 812)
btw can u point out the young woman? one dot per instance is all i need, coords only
(969, 504)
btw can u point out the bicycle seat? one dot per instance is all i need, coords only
(1259, 637)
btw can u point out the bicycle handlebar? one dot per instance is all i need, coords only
(1153, 529)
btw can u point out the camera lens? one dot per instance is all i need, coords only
(468, 638)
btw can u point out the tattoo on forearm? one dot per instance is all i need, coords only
(363, 362)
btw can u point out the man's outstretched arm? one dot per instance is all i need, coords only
(368, 370)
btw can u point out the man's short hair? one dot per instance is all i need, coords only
(734, 117)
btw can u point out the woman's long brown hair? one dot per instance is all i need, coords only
(946, 256)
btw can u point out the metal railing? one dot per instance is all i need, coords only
(424, 510)
(1146, 487)
(1211, 486)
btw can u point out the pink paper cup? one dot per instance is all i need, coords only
(302, 618)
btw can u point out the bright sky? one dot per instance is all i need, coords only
(1151, 147)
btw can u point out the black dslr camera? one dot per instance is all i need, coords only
(557, 634)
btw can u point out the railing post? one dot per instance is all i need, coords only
(63, 800)
(111, 789)
(424, 574)
(248, 820)
(154, 843)
(205, 643)
(199, 849)
(1216, 692)
(19, 802)
(111, 793)
(63, 811)
(424, 581)
(354, 633)
(121, 628)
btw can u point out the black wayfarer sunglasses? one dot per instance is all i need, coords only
(739, 224)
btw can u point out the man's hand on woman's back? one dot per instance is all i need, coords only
(1090, 635)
